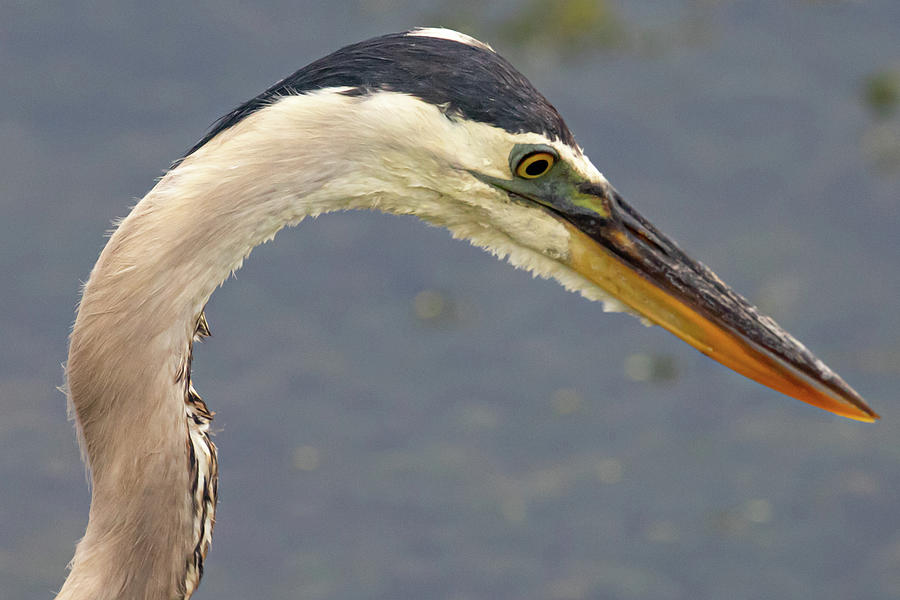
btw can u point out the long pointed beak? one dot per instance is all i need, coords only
(626, 256)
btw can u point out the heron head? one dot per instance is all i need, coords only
(437, 124)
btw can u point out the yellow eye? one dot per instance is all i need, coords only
(535, 165)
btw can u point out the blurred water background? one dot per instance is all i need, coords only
(402, 416)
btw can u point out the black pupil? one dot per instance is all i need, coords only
(537, 167)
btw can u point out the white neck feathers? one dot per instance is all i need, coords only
(127, 374)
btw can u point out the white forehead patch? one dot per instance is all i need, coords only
(449, 34)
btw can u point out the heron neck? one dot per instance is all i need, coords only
(129, 357)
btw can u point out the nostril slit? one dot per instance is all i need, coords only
(646, 239)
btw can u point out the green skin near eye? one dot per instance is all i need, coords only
(556, 188)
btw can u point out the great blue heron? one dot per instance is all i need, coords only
(428, 122)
